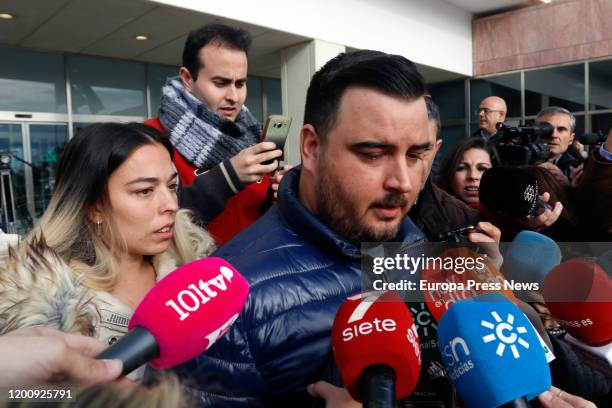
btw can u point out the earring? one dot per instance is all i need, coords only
(98, 227)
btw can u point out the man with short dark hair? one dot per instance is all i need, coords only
(216, 138)
(563, 123)
(362, 145)
(437, 212)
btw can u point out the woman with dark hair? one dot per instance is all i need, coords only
(463, 166)
(111, 231)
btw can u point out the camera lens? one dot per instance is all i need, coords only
(278, 125)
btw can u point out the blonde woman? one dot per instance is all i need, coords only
(111, 231)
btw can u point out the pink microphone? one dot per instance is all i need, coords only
(182, 316)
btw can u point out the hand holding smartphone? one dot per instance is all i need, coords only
(276, 130)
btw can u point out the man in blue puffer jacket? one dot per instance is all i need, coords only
(362, 146)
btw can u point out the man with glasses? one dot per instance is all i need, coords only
(491, 111)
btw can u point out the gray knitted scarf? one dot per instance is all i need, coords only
(203, 137)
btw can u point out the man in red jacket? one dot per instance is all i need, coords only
(216, 138)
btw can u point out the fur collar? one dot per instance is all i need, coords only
(37, 288)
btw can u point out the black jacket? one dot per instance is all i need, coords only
(437, 212)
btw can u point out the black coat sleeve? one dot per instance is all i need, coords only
(208, 194)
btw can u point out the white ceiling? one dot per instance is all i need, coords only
(487, 6)
(108, 27)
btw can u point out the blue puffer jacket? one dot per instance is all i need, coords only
(300, 272)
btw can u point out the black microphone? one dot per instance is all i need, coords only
(592, 138)
(512, 191)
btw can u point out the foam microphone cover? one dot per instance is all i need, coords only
(189, 309)
(376, 328)
(591, 138)
(530, 256)
(509, 190)
(578, 293)
(491, 352)
(439, 300)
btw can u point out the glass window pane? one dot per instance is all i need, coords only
(450, 135)
(158, 74)
(107, 87)
(47, 142)
(560, 86)
(253, 100)
(13, 175)
(450, 98)
(274, 99)
(32, 81)
(600, 85)
(507, 87)
(601, 123)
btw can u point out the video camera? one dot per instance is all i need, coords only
(522, 145)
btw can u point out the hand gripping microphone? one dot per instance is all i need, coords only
(512, 191)
(182, 316)
(578, 293)
(376, 348)
(530, 257)
(444, 287)
(492, 353)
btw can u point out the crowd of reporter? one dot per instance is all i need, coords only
(370, 139)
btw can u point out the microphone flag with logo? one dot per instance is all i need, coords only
(491, 352)
(578, 293)
(376, 329)
(182, 316)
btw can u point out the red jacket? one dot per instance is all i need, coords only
(241, 210)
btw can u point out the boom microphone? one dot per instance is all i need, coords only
(578, 293)
(376, 348)
(182, 316)
(512, 191)
(492, 353)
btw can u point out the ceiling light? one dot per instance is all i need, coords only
(546, 1)
(141, 38)
(6, 16)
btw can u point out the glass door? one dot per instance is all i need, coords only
(28, 158)
(47, 142)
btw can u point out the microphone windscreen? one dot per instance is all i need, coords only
(590, 138)
(376, 328)
(189, 309)
(530, 256)
(445, 286)
(578, 293)
(509, 190)
(491, 352)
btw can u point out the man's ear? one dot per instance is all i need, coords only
(438, 145)
(571, 139)
(186, 79)
(310, 147)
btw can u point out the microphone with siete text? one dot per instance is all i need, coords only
(492, 353)
(182, 316)
(376, 348)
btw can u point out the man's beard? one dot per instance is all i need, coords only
(336, 208)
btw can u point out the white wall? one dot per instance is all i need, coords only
(429, 32)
